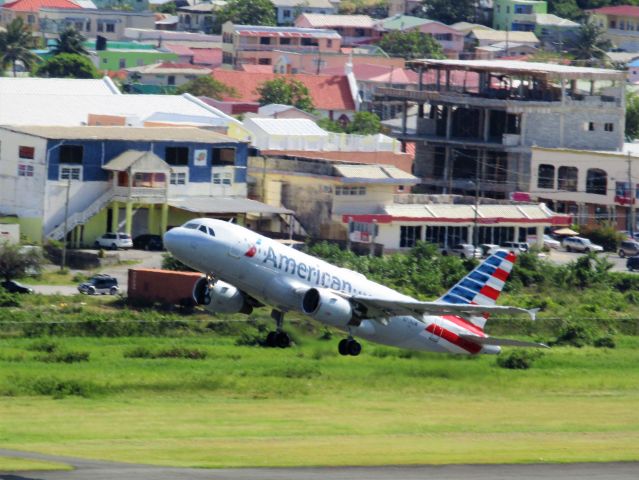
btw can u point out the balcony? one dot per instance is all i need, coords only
(245, 47)
(141, 194)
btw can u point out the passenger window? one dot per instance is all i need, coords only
(211, 232)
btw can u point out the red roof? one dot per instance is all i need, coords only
(328, 92)
(256, 68)
(187, 66)
(181, 50)
(211, 57)
(378, 73)
(36, 5)
(621, 10)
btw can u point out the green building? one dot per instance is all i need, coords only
(119, 58)
(513, 15)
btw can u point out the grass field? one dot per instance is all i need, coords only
(251, 406)
(12, 464)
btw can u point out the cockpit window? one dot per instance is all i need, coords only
(203, 229)
(192, 226)
(211, 232)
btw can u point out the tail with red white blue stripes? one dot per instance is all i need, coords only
(483, 285)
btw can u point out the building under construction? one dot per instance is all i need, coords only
(478, 119)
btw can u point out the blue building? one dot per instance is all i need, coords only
(136, 180)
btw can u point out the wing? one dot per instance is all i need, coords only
(378, 307)
(502, 342)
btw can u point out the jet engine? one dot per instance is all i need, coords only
(221, 297)
(327, 307)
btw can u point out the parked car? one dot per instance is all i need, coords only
(629, 248)
(487, 249)
(100, 284)
(579, 244)
(462, 250)
(148, 241)
(520, 247)
(632, 263)
(114, 241)
(12, 286)
(551, 242)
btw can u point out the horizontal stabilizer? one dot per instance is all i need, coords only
(502, 342)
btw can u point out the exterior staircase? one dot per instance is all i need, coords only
(82, 216)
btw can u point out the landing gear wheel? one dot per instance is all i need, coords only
(354, 348)
(271, 339)
(349, 346)
(283, 340)
(342, 347)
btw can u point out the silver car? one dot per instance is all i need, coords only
(579, 244)
(114, 241)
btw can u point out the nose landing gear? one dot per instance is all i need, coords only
(349, 346)
(278, 338)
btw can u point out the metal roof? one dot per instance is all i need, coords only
(318, 20)
(225, 205)
(176, 134)
(490, 213)
(286, 32)
(502, 36)
(138, 161)
(375, 174)
(517, 67)
(286, 126)
(303, 4)
(57, 86)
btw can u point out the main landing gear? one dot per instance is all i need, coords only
(349, 346)
(278, 338)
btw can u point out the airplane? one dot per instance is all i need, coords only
(244, 270)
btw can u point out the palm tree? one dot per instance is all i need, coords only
(589, 45)
(70, 41)
(15, 43)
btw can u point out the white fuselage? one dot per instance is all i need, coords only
(278, 275)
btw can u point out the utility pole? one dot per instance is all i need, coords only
(633, 199)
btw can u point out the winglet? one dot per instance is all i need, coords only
(533, 313)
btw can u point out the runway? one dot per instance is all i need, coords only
(101, 470)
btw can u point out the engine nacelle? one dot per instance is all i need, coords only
(222, 297)
(327, 307)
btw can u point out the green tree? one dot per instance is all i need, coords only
(287, 92)
(15, 44)
(411, 45)
(246, 12)
(590, 46)
(632, 116)
(206, 86)
(449, 11)
(330, 125)
(16, 261)
(566, 9)
(168, 7)
(67, 65)
(364, 123)
(70, 41)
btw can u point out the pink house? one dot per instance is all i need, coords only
(451, 40)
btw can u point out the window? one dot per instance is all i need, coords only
(285, 41)
(178, 178)
(105, 60)
(567, 179)
(100, 27)
(408, 236)
(265, 40)
(264, 61)
(443, 37)
(222, 178)
(31, 19)
(139, 62)
(170, 80)
(177, 155)
(223, 156)
(70, 173)
(26, 152)
(25, 170)
(71, 154)
(110, 27)
(122, 63)
(596, 181)
(329, 43)
(590, 126)
(350, 190)
(286, 13)
(609, 127)
(546, 176)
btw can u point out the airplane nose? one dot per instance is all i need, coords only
(170, 240)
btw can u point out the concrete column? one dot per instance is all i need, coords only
(404, 117)
(449, 121)
(540, 236)
(128, 219)
(486, 124)
(447, 80)
(115, 217)
(471, 235)
(522, 128)
(447, 169)
(151, 225)
(421, 78)
(420, 110)
(482, 181)
(164, 218)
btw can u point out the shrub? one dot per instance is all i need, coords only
(604, 234)
(79, 278)
(47, 346)
(518, 359)
(64, 357)
(138, 352)
(605, 342)
(9, 299)
(182, 352)
(574, 335)
(59, 388)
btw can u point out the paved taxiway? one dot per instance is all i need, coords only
(100, 470)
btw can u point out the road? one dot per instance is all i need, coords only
(100, 470)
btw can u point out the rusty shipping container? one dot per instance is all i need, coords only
(166, 286)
